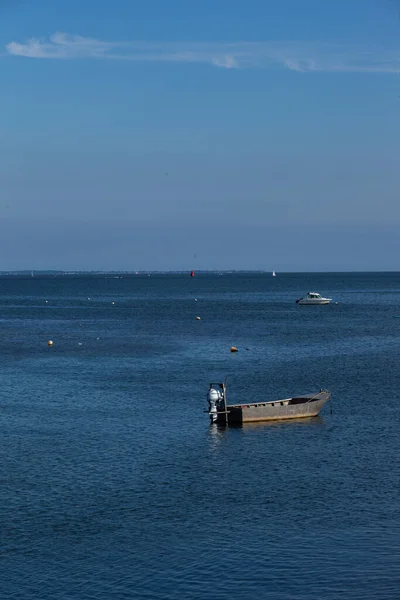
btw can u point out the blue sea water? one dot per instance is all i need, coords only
(113, 483)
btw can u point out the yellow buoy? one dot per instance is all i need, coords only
(50, 343)
(198, 318)
(234, 349)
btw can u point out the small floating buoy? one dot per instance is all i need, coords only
(234, 349)
(50, 343)
(112, 302)
(198, 318)
(195, 299)
(46, 301)
(88, 298)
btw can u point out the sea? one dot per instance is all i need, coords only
(113, 482)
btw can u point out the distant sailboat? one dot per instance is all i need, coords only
(273, 274)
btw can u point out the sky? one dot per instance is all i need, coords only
(169, 135)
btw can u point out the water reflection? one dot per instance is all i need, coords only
(217, 431)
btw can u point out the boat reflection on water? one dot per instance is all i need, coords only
(217, 433)
(218, 430)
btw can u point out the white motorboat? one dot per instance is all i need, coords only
(313, 298)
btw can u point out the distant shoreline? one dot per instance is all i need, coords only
(55, 273)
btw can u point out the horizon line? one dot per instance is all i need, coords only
(178, 271)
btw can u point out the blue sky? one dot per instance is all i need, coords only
(252, 134)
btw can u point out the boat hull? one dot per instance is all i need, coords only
(314, 302)
(289, 408)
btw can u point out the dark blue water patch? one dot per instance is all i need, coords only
(113, 483)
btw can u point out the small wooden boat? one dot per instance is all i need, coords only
(308, 405)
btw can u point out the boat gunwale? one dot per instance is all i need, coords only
(307, 398)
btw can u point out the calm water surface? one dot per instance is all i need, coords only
(113, 483)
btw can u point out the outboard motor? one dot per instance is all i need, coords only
(214, 397)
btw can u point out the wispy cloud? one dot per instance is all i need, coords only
(296, 56)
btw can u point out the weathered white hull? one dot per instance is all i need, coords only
(311, 301)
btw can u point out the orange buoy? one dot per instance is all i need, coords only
(191, 273)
